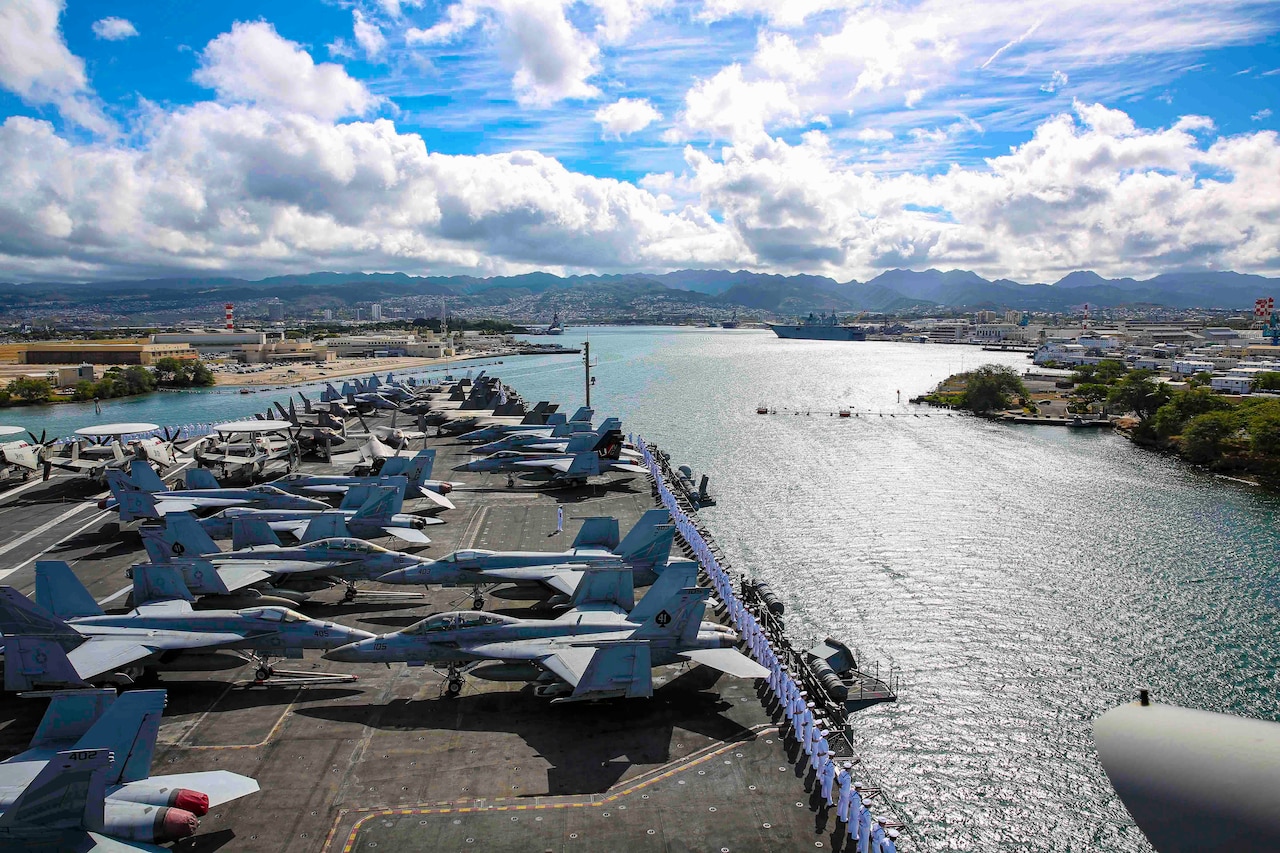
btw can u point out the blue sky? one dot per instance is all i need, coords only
(1019, 139)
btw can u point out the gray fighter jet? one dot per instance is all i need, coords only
(585, 654)
(142, 494)
(62, 793)
(366, 512)
(258, 555)
(100, 647)
(645, 551)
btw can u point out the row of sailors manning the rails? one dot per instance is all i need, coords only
(867, 833)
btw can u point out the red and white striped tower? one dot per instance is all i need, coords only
(231, 314)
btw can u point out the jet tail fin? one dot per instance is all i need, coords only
(644, 542)
(132, 504)
(598, 531)
(247, 531)
(37, 662)
(326, 525)
(383, 501)
(679, 619)
(68, 793)
(607, 585)
(678, 575)
(583, 414)
(163, 582)
(185, 537)
(145, 477)
(128, 729)
(22, 617)
(59, 591)
(70, 714)
(201, 478)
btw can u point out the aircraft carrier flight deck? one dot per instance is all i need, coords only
(391, 762)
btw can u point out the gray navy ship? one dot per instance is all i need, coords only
(820, 327)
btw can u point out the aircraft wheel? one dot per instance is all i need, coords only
(111, 529)
(263, 673)
(477, 604)
(455, 687)
(349, 596)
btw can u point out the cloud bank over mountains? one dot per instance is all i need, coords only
(830, 144)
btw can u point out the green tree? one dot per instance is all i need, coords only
(30, 389)
(136, 380)
(83, 391)
(1268, 381)
(170, 371)
(1185, 405)
(1091, 392)
(1205, 437)
(991, 387)
(1138, 393)
(1105, 372)
(200, 374)
(1264, 433)
(1203, 379)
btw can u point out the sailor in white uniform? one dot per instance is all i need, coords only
(827, 778)
(844, 789)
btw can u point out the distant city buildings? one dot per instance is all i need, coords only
(275, 311)
(375, 312)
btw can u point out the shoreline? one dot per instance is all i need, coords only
(310, 373)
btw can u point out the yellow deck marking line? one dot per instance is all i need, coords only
(658, 774)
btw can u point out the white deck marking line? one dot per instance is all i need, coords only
(44, 528)
(113, 596)
(5, 573)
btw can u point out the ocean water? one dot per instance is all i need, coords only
(1021, 579)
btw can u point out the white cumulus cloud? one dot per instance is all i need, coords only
(1056, 82)
(36, 64)
(626, 116)
(549, 59)
(114, 29)
(368, 35)
(254, 64)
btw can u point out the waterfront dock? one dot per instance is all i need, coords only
(390, 761)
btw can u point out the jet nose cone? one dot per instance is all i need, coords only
(350, 653)
(356, 635)
(399, 576)
(465, 466)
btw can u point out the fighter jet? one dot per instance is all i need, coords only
(581, 420)
(644, 550)
(116, 647)
(416, 471)
(143, 495)
(366, 512)
(568, 443)
(85, 782)
(583, 655)
(258, 555)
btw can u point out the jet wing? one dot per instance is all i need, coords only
(221, 786)
(436, 498)
(203, 502)
(168, 607)
(627, 466)
(615, 670)
(408, 534)
(570, 665)
(98, 655)
(238, 577)
(729, 661)
(560, 466)
(561, 580)
(164, 507)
